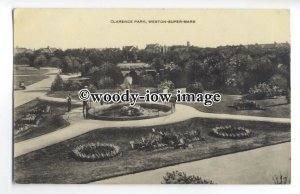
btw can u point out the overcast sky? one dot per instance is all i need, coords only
(93, 28)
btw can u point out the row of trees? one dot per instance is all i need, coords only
(231, 69)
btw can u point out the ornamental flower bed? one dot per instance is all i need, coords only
(95, 151)
(247, 105)
(163, 139)
(20, 128)
(131, 110)
(176, 177)
(29, 119)
(231, 132)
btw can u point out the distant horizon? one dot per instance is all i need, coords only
(120, 47)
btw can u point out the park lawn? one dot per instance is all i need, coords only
(276, 107)
(55, 164)
(28, 70)
(28, 80)
(50, 122)
(29, 75)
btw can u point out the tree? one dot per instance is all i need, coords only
(112, 71)
(55, 62)
(40, 61)
(57, 84)
(194, 70)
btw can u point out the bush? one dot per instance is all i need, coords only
(92, 88)
(57, 84)
(231, 132)
(166, 84)
(247, 105)
(105, 82)
(72, 85)
(75, 85)
(195, 87)
(95, 151)
(264, 90)
(147, 81)
(176, 177)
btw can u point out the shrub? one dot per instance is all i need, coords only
(105, 82)
(176, 177)
(147, 81)
(195, 87)
(92, 88)
(247, 105)
(72, 85)
(75, 85)
(231, 132)
(95, 151)
(57, 84)
(166, 84)
(264, 90)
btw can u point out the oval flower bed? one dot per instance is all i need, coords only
(95, 151)
(231, 132)
(247, 105)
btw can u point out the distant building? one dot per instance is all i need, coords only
(137, 67)
(19, 50)
(47, 50)
(130, 48)
(153, 48)
(130, 52)
(156, 48)
(180, 47)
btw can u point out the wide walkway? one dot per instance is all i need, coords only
(250, 167)
(80, 126)
(37, 89)
(34, 90)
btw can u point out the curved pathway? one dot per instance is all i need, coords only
(79, 126)
(37, 89)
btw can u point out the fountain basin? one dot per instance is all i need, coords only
(116, 111)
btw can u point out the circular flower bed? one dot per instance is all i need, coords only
(231, 132)
(95, 151)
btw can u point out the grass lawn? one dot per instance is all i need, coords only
(49, 122)
(54, 164)
(28, 80)
(27, 70)
(274, 107)
(29, 75)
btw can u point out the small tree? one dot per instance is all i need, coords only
(57, 84)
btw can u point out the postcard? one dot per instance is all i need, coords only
(152, 96)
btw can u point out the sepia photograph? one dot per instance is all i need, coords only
(151, 96)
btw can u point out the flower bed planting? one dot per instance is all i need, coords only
(176, 177)
(231, 132)
(247, 105)
(95, 151)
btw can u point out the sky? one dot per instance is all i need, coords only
(97, 28)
